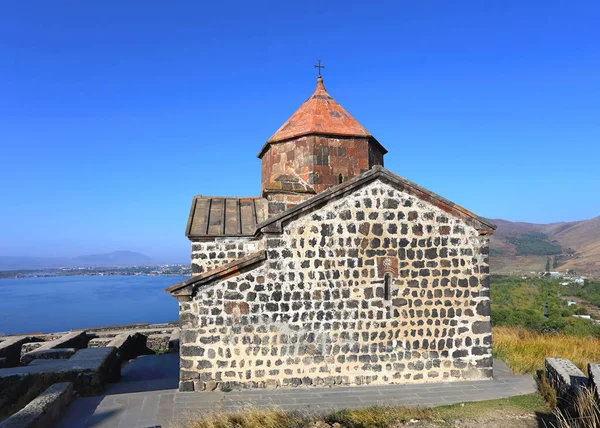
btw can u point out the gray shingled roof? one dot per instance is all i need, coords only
(212, 217)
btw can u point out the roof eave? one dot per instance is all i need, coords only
(213, 237)
(274, 224)
(228, 270)
(369, 137)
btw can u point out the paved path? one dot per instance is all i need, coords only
(147, 396)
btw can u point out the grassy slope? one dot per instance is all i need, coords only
(525, 351)
(582, 236)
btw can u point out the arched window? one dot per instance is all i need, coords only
(387, 286)
(340, 179)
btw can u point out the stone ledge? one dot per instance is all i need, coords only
(11, 348)
(565, 378)
(75, 339)
(43, 411)
(174, 342)
(89, 370)
(52, 354)
(99, 342)
(594, 372)
(158, 342)
(129, 345)
(29, 347)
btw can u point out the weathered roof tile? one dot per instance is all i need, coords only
(225, 216)
(320, 114)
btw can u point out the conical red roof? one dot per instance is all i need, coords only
(320, 114)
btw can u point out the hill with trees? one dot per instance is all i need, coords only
(518, 247)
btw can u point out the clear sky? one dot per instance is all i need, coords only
(113, 114)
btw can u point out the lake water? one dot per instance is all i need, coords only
(67, 302)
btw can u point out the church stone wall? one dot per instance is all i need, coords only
(208, 255)
(375, 288)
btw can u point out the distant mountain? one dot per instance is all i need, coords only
(17, 263)
(114, 259)
(519, 247)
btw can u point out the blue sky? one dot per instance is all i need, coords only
(114, 114)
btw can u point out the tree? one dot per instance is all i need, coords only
(548, 265)
(554, 262)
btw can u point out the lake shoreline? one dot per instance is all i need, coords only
(64, 303)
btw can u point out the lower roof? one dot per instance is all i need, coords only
(212, 217)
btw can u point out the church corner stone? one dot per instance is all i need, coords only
(376, 284)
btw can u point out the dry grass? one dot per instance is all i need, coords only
(380, 416)
(585, 412)
(371, 417)
(249, 418)
(525, 351)
(376, 416)
(547, 391)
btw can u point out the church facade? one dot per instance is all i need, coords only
(340, 273)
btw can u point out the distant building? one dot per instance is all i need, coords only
(585, 317)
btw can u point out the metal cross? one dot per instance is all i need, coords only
(319, 67)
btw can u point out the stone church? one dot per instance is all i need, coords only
(340, 273)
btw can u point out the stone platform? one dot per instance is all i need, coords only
(147, 396)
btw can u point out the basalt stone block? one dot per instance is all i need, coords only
(192, 351)
(566, 378)
(481, 327)
(186, 386)
(52, 354)
(32, 346)
(44, 410)
(187, 336)
(483, 308)
(594, 379)
(75, 339)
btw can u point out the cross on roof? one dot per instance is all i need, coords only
(319, 67)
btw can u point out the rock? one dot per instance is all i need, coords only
(594, 371)
(129, 345)
(88, 370)
(158, 342)
(174, 342)
(31, 346)
(211, 385)
(75, 339)
(565, 377)
(99, 342)
(11, 348)
(52, 354)
(43, 411)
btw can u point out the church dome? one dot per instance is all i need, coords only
(319, 115)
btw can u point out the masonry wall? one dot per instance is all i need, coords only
(375, 288)
(208, 255)
(280, 202)
(320, 160)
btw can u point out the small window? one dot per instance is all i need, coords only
(387, 286)
(340, 179)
